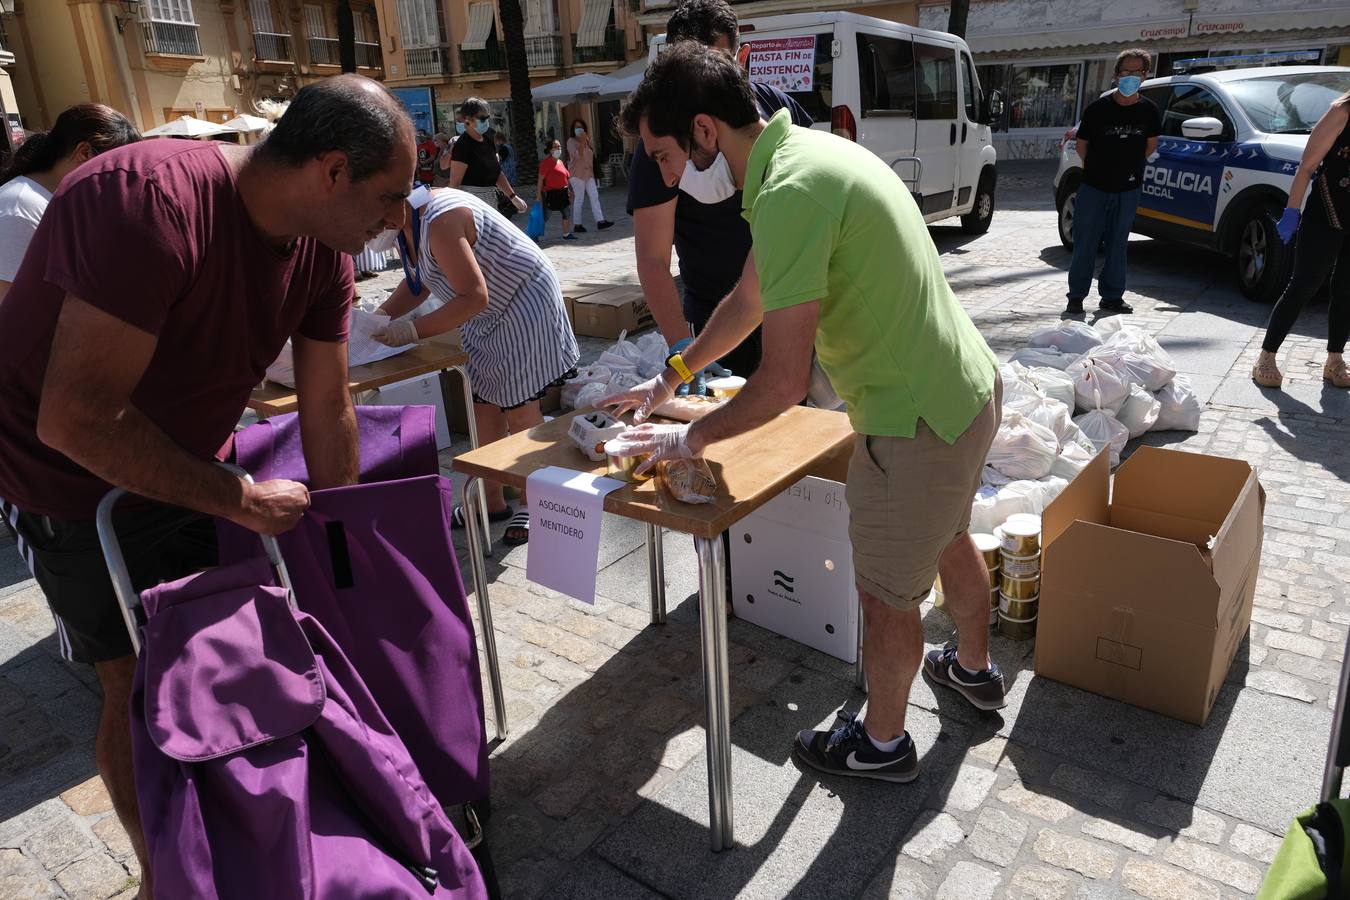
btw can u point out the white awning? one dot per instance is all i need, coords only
(594, 19)
(480, 26)
(624, 81)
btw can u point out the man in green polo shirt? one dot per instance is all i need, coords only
(842, 261)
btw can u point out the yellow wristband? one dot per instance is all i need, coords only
(677, 363)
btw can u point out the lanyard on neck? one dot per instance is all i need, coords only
(411, 273)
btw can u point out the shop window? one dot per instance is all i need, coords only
(1044, 96)
(935, 81)
(1191, 101)
(886, 73)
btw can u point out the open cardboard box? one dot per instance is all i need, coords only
(1146, 591)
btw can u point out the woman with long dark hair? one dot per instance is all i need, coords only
(37, 167)
(1323, 247)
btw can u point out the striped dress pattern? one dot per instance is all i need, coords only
(522, 342)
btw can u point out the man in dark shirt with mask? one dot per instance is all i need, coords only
(701, 214)
(1118, 133)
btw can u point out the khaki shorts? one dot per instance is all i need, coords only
(908, 498)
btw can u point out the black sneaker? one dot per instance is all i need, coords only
(847, 750)
(1074, 308)
(603, 224)
(1118, 307)
(579, 229)
(983, 689)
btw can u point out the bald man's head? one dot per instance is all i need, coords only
(348, 113)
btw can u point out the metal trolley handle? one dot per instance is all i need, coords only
(128, 600)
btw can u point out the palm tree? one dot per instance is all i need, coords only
(522, 101)
(957, 16)
(346, 36)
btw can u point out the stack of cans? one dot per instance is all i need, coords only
(990, 548)
(1019, 583)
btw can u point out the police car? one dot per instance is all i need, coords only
(1231, 142)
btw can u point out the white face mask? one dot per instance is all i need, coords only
(556, 154)
(384, 241)
(711, 185)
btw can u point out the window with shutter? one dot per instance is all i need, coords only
(261, 11)
(316, 24)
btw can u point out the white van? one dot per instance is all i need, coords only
(907, 94)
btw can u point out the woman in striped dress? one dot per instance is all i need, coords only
(503, 295)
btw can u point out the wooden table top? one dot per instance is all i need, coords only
(431, 355)
(751, 469)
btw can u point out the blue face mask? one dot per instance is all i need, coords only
(482, 125)
(1129, 85)
(459, 128)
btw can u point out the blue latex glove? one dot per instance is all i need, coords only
(1287, 225)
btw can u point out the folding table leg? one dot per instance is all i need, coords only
(473, 442)
(1338, 751)
(480, 589)
(656, 575)
(712, 618)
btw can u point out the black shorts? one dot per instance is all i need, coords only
(557, 200)
(159, 543)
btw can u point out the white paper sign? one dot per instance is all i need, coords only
(566, 509)
(785, 63)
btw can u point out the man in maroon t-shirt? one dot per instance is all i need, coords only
(163, 280)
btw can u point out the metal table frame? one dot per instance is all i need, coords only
(712, 612)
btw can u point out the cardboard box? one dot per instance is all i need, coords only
(609, 313)
(792, 568)
(1146, 591)
(423, 391)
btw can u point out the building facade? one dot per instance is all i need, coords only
(1053, 57)
(156, 60)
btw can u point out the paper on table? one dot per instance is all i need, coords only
(362, 347)
(566, 510)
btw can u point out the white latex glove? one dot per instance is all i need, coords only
(518, 203)
(399, 333)
(644, 398)
(661, 441)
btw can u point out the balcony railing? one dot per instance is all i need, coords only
(268, 45)
(610, 51)
(368, 55)
(491, 58)
(171, 37)
(544, 51)
(426, 61)
(323, 51)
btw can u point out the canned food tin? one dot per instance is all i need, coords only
(1020, 588)
(623, 467)
(1021, 566)
(988, 545)
(1030, 519)
(993, 578)
(1021, 537)
(1019, 610)
(1016, 630)
(993, 616)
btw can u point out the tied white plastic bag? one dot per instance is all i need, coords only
(1179, 407)
(654, 350)
(1066, 337)
(1139, 411)
(1098, 385)
(1137, 341)
(982, 510)
(1053, 383)
(1050, 414)
(1023, 449)
(1019, 391)
(1072, 459)
(596, 374)
(1044, 356)
(1104, 430)
(1146, 371)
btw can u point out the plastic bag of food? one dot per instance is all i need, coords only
(1067, 337)
(1072, 459)
(1139, 411)
(653, 351)
(982, 510)
(1098, 384)
(1023, 449)
(1015, 392)
(1179, 407)
(993, 477)
(687, 480)
(596, 374)
(1137, 340)
(590, 395)
(1053, 383)
(1043, 356)
(1104, 430)
(1146, 371)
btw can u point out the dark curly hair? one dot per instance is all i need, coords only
(703, 21)
(688, 79)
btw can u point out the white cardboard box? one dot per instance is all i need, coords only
(792, 568)
(423, 391)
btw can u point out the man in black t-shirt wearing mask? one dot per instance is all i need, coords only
(703, 221)
(1118, 133)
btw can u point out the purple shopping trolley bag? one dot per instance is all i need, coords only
(264, 768)
(374, 564)
(395, 441)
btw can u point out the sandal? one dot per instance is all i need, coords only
(517, 530)
(1336, 374)
(457, 515)
(1266, 373)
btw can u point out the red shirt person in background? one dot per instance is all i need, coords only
(554, 189)
(163, 279)
(427, 151)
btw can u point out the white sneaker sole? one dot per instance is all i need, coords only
(986, 705)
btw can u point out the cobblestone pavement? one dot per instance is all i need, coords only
(601, 791)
